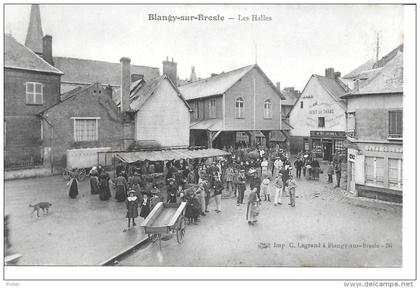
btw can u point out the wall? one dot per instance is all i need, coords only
(372, 120)
(22, 125)
(173, 125)
(316, 103)
(88, 103)
(204, 108)
(245, 88)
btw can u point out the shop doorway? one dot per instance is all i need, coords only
(327, 147)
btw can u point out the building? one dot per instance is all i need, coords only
(94, 117)
(375, 129)
(291, 96)
(31, 84)
(243, 100)
(318, 117)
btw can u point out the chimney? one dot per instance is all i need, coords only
(278, 86)
(329, 73)
(213, 74)
(169, 69)
(337, 75)
(125, 83)
(136, 77)
(47, 49)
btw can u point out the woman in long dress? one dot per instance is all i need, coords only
(73, 191)
(252, 210)
(121, 188)
(94, 181)
(104, 191)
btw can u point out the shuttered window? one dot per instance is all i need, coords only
(374, 169)
(395, 173)
(395, 124)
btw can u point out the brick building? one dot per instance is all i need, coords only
(30, 85)
(319, 116)
(375, 129)
(243, 100)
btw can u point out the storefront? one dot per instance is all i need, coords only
(376, 171)
(326, 143)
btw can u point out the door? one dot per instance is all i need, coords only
(327, 147)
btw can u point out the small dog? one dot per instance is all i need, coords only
(41, 205)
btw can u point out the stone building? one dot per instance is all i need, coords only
(318, 117)
(243, 100)
(30, 85)
(375, 130)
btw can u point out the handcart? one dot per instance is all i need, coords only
(166, 218)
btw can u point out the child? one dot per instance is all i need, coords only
(132, 205)
(171, 190)
(145, 207)
(278, 185)
(264, 188)
(291, 183)
(330, 171)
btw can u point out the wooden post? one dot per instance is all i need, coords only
(209, 139)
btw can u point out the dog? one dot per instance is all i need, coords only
(41, 205)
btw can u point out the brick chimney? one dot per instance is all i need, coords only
(169, 69)
(125, 83)
(329, 73)
(337, 75)
(136, 77)
(47, 49)
(278, 86)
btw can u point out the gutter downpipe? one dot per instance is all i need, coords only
(51, 143)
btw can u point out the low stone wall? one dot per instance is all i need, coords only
(39, 171)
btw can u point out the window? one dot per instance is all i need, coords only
(34, 94)
(301, 104)
(85, 129)
(196, 110)
(395, 173)
(239, 108)
(395, 124)
(339, 146)
(374, 167)
(267, 109)
(212, 108)
(321, 122)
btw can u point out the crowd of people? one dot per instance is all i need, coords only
(196, 181)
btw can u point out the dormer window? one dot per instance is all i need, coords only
(34, 93)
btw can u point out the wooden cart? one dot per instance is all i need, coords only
(166, 218)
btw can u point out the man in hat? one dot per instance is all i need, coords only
(255, 182)
(241, 186)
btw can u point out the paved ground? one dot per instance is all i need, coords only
(283, 234)
(82, 231)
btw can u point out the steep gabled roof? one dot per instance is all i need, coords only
(18, 56)
(389, 79)
(335, 87)
(219, 84)
(141, 93)
(356, 72)
(84, 71)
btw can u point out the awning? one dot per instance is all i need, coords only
(167, 155)
(209, 124)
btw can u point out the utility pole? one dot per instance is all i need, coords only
(377, 47)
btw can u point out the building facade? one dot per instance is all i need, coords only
(30, 85)
(242, 100)
(375, 129)
(318, 117)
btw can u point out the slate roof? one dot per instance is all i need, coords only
(85, 71)
(18, 56)
(291, 96)
(141, 92)
(365, 66)
(217, 85)
(389, 79)
(335, 86)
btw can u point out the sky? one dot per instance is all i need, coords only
(300, 40)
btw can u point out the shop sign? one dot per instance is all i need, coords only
(352, 154)
(384, 148)
(328, 134)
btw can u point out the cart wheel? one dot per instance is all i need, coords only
(180, 230)
(66, 175)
